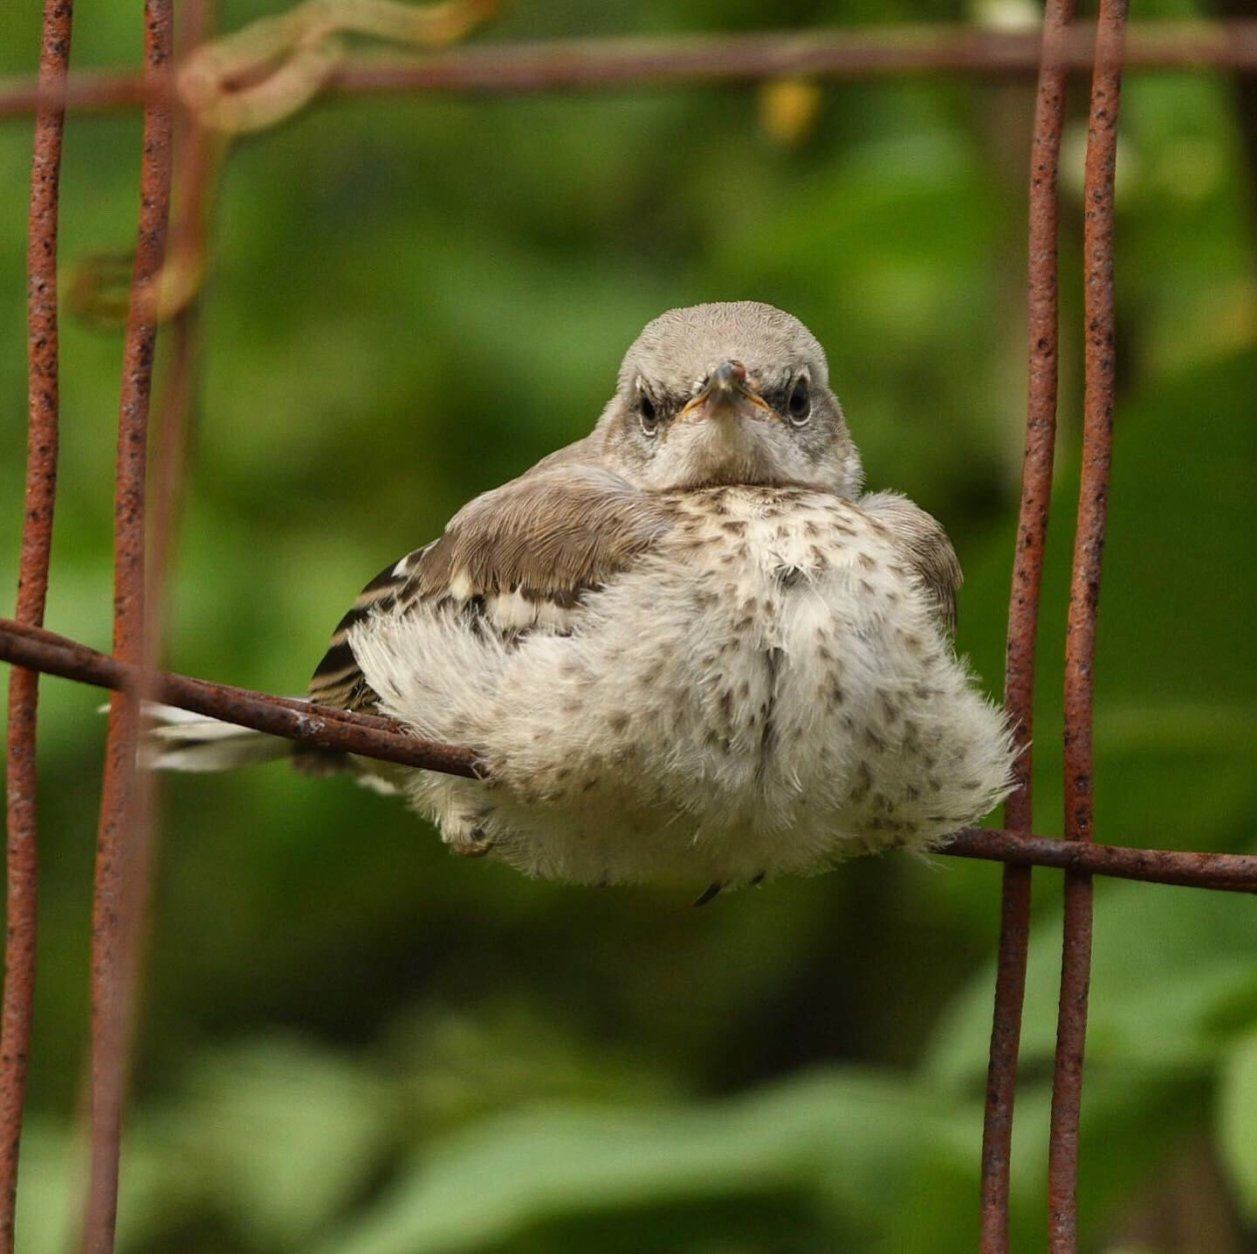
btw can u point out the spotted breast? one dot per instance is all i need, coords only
(766, 684)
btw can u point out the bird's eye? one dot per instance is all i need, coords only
(799, 404)
(647, 414)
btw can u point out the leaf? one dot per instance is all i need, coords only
(153, 1183)
(856, 1140)
(282, 1134)
(45, 1207)
(1172, 980)
(1237, 1120)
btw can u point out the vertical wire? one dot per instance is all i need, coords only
(43, 406)
(1084, 596)
(123, 815)
(1023, 617)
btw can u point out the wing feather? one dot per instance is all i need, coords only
(517, 559)
(926, 547)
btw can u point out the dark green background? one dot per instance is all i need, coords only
(354, 1042)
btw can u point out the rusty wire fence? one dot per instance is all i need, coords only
(195, 93)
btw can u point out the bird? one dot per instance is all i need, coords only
(687, 648)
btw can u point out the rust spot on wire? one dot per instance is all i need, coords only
(40, 497)
(1023, 620)
(121, 837)
(1084, 596)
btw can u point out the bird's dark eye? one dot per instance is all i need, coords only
(799, 403)
(647, 413)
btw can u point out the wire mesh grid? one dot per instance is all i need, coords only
(179, 127)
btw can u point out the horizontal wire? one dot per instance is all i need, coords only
(371, 736)
(616, 63)
(324, 727)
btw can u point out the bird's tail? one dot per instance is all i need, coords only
(178, 740)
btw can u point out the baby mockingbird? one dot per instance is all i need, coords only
(686, 647)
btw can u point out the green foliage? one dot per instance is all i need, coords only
(1237, 1119)
(353, 1042)
(851, 1144)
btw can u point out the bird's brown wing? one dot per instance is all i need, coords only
(515, 560)
(337, 680)
(925, 545)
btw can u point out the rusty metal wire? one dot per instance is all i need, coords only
(128, 833)
(43, 401)
(610, 64)
(324, 727)
(1023, 619)
(123, 848)
(122, 837)
(1084, 600)
(372, 736)
(1220, 872)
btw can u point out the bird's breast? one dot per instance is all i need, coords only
(777, 564)
(765, 689)
(766, 613)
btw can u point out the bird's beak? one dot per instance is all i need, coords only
(727, 393)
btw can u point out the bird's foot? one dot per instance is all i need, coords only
(466, 837)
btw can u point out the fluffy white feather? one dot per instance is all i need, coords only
(767, 696)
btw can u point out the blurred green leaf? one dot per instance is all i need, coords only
(855, 1140)
(281, 1135)
(1172, 983)
(1237, 1119)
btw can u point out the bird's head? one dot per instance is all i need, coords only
(735, 392)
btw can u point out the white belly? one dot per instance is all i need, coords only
(768, 692)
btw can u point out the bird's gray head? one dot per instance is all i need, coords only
(735, 392)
